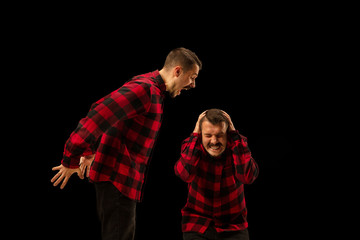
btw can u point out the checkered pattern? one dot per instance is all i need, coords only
(216, 185)
(121, 129)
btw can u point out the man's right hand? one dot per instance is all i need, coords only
(197, 126)
(64, 174)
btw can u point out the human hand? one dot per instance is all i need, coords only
(197, 126)
(85, 164)
(231, 125)
(64, 174)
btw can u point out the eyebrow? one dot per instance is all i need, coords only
(219, 134)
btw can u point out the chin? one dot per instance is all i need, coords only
(214, 154)
(173, 94)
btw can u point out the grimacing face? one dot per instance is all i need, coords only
(214, 137)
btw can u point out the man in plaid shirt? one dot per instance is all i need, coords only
(216, 163)
(116, 139)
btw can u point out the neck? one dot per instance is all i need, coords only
(219, 158)
(166, 77)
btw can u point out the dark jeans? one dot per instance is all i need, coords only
(116, 212)
(211, 234)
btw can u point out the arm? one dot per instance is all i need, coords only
(246, 169)
(185, 167)
(127, 102)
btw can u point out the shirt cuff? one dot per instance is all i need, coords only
(70, 162)
(234, 135)
(194, 137)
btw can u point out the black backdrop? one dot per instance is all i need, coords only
(258, 77)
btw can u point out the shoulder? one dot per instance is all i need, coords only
(146, 81)
(243, 137)
(237, 139)
(137, 84)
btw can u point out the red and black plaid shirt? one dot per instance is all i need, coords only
(216, 185)
(121, 129)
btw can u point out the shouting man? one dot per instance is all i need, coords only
(115, 140)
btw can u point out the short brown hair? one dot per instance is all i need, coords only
(214, 116)
(183, 57)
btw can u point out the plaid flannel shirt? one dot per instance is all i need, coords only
(215, 185)
(121, 129)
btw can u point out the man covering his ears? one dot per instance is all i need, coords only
(216, 162)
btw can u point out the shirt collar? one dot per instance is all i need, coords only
(158, 79)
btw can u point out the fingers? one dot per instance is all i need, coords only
(226, 115)
(56, 177)
(81, 171)
(63, 175)
(85, 165)
(88, 172)
(197, 127)
(56, 168)
(65, 182)
(90, 157)
(81, 174)
(231, 125)
(202, 114)
(82, 168)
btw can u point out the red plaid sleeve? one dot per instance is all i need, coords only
(186, 165)
(130, 100)
(246, 168)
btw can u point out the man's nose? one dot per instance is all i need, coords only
(214, 140)
(192, 85)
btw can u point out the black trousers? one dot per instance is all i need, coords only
(211, 234)
(116, 212)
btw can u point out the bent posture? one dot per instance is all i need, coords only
(119, 132)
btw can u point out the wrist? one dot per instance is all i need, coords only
(195, 133)
(196, 130)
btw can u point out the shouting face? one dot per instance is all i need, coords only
(183, 80)
(214, 137)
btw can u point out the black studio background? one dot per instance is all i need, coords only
(258, 76)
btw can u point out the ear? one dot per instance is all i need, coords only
(177, 71)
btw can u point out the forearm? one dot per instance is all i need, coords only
(246, 169)
(106, 113)
(185, 167)
(80, 143)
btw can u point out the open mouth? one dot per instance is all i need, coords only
(185, 88)
(215, 147)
